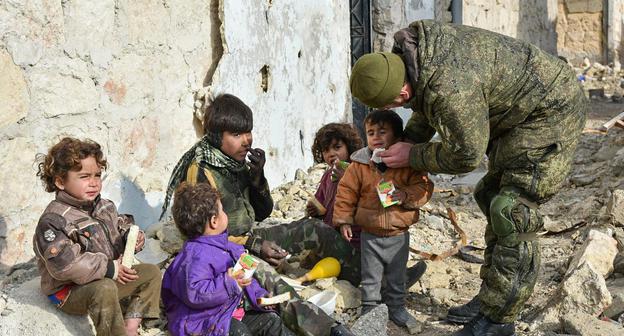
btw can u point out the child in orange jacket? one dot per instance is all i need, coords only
(384, 202)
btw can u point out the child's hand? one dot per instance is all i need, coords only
(345, 230)
(311, 210)
(398, 195)
(257, 159)
(140, 242)
(125, 274)
(238, 277)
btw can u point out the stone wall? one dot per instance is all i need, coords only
(127, 74)
(580, 30)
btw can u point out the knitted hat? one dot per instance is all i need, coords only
(377, 78)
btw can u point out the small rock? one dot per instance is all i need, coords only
(587, 325)
(326, 283)
(615, 207)
(300, 175)
(583, 179)
(584, 291)
(172, 239)
(616, 288)
(348, 296)
(442, 296)
(599, 251)
(152, 253)
(373, 323)
(435, 222)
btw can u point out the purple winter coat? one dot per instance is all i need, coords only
(198, 295)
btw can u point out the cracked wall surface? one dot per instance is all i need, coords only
(289, 61)
(131, 74)
(122, 73)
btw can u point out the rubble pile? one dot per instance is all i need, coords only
(601, 81)
(579, 291)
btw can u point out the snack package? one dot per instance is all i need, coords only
(342, 165)
(385, 190)
(248, 264)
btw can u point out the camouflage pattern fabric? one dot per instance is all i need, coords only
(300, 316)
(483, 92)
(310, 240)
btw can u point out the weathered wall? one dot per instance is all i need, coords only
(580, 31)
(127, 73)
(289, 60)
(615, 30)
(389, 16)
(530, 20)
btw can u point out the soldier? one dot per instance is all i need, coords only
(483, 93)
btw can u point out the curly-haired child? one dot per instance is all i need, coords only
(333, 144)
(202, 293)
(79, 240)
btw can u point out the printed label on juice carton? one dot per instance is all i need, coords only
(385, 190)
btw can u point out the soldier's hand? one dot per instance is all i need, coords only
(125, 274)
(238, 277)
(272, 253)
(397, 156)
(311, 210)
(345, 230)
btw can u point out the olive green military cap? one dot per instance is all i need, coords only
(377, 78)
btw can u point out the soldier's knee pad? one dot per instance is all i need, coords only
(511, 213)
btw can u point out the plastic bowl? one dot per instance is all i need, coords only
(326, 300)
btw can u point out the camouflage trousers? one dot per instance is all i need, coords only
(300, 316)
(310, 240)
(527, 166)
(100, 299)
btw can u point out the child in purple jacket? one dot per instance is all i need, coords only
(201, 292)
(333, 142)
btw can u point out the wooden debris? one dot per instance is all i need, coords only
(617, 121)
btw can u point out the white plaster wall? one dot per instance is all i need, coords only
(126, 74)
(306, 45)
(615, 31)
(530, 20)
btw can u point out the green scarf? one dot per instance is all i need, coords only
(204, 154)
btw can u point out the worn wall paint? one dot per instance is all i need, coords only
(530, 20)
(126, 74)
(305, 47)
(388, 17)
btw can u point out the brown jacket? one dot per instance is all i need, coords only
(76, 241)
(357, 202)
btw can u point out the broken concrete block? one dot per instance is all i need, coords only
(373, 323)
(33, 314)
(599, 250)
(152, 253)
(615, 207)
(172, 239)
(587, 325)
(616, 288)
(583, 291)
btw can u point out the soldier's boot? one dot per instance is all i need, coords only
(414, 273)
(466, 312)
(401, 317)
(341, 330)
(483, 326)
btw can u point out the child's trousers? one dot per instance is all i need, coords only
(384, 257)
(100, 299)
(259, 324)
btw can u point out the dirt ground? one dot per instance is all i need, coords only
(456, 281)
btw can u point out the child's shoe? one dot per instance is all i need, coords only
(367, 309)
(401, 317)
(340, 330)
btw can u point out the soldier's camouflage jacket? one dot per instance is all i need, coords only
(472, 86)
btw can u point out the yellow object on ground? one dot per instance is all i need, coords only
(325, 268)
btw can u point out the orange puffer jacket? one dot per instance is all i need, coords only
(357, 201)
